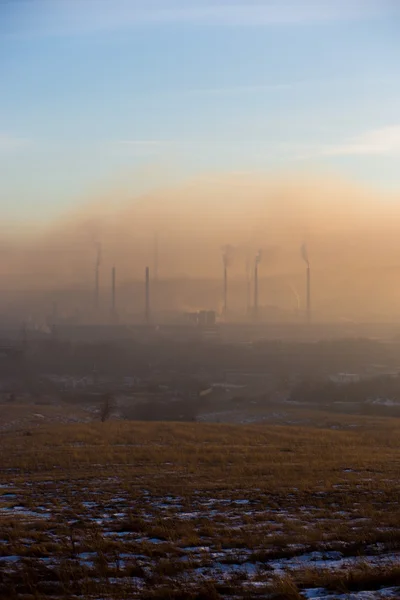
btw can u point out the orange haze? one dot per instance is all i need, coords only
(352, 236)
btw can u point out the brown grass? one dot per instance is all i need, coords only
(149, 510)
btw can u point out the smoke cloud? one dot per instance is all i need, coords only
(353, 233)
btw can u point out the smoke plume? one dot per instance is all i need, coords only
(304, 254)
(353, 232)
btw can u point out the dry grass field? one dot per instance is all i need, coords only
(122, 510)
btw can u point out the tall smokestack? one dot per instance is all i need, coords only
(96, 287)
(304, 255)
(147, 296)
(113, 299)
(227, 255)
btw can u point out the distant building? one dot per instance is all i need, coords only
(206, 319)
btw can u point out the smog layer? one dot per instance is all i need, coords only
(350, 233)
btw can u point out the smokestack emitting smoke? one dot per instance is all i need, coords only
(257, 262)
(147, 296)
(304, 254)
(356, 278)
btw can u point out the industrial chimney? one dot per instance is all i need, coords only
(304, 254)
(147, 296)
(96, 288)
(227, 255)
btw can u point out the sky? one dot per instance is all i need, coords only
(99, 91)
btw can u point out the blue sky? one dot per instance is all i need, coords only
(92, 90)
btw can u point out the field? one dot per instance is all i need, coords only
(163, 510)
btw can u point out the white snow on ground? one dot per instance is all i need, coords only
(322, 594)
(331, 560)
(383, 402)
(206, 561)
(23, 512)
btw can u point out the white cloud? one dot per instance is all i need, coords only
(383, 141)
(377, 142)
(9, 143)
